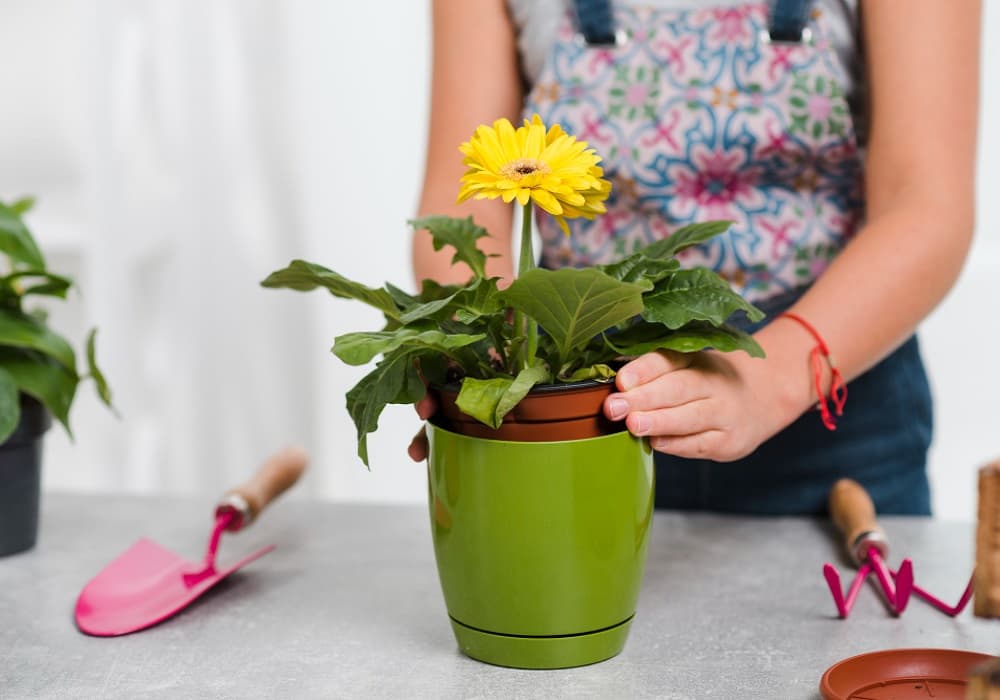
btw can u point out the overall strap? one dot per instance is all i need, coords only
(788, 19)
(595, 21)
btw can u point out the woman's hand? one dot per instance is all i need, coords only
(426, 407)
(707, 405)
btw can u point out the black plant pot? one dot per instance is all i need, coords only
(20, 479)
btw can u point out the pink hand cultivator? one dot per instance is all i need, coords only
(853, 513)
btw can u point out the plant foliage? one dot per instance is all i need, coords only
(34, 359)
(590, 318)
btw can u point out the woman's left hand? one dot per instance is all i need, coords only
(706, 405)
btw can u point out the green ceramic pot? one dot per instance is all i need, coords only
(540, 546)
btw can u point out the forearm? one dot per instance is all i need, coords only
(475, 80)
(919, 183)
(895, 271)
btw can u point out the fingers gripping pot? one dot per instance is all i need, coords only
(540, 538)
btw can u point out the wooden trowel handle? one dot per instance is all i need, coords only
(278, 474)
(853, 513)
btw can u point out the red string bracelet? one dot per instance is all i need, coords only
(838, 388)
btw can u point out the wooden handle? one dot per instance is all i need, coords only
(986, 580)
(984, 682)
(853, 513)
(278, 474)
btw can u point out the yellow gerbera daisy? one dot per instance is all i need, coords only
(531, 163)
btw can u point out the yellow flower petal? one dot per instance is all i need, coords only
(534, 163)
(547, 202)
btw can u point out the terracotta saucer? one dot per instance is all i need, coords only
(901, 674)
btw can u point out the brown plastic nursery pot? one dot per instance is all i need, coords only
(550, 413)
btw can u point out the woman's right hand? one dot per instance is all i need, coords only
(426, 407)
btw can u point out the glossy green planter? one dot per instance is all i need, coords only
(540, 546)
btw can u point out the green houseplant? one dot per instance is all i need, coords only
(540, 508)
(38, 376)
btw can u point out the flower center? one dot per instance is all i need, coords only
(522, 167)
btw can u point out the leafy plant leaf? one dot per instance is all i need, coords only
(489, 400)
(598, 371)
(479, 298)
(637, 267)
(519, 388)
(50, 285)
(573, 306)
(305, 276)
(695, 295)
(394, 380)
(460, 234)
(10, 405)
(693, 337)
(403, 299)
(15, 238)
(685, 237)
(22, 331)
(23, 206)
(101, 384)
(361, 348)
(44, 378)
(431, 290)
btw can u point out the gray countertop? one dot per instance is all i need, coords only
(348, 606)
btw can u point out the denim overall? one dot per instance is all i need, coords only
(737, 113)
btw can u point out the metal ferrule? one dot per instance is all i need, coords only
(237, 505)
(865, 541)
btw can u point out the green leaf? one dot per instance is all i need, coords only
(599, 372)
(695, 295)
(489, 400)
(22, 331)
(15, 238)
(103, 390)
(42, 377)
(305, 276)
(431, 309)
(23, 206)
(10, 405)
(51, 285)
(526, 379)
(685, 237)
(432, 291)
(573, 305)
(394, 380)
(403, 299)
(693, 337)
(361, 348)
(460, 234)
(479, 298)
(637, 267)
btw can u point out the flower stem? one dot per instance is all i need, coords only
(527, 261)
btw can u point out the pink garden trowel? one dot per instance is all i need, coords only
(148, 584)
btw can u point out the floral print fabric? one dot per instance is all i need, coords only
(698, 117)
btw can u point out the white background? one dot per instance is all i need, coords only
(183, 149)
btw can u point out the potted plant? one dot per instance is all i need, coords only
(38, 376)
(540, 508)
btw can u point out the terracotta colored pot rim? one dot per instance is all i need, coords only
(457, 430)
(551, 413)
